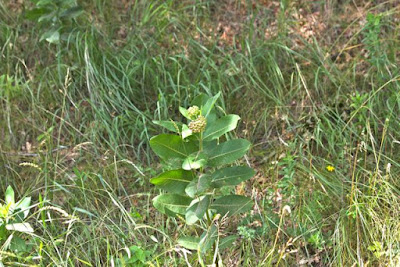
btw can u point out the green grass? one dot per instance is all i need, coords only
(86, 107)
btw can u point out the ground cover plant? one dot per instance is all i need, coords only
(192, 189)
(88, 87)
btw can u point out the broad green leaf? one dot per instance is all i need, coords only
(186, 131)
(184, 112)
(227, 152)
(174, 203)
(52, 37)
(231, 176)
(174, 181)
(72, 12)
(194, 162)
(170, 125)
(208, 238)
(203, 206)
(20, 227)
(36, 13)
(209, 145)
(227, 241)
(211, 119)
(19, 245)
(24, 206)
(18, 215)
(3, 230)
(200, 100)
(209, 105)
(137, 254)
(198, 186)
(9, 196)
(220, 127)
(190, 216)
(197, 210)
(169, 146)
(48, 16)
(189, 242)
(232, 205)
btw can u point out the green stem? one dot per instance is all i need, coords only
(201, 142)
(209, 221)
(208, 218)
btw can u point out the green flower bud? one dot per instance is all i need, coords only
(194, 112)
(198, 125)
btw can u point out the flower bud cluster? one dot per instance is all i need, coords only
(199, 122)
(198, 125)
(194, 112)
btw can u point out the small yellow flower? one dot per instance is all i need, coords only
(330, 168)
(4, 210)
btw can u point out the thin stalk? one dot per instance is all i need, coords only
(201, 143)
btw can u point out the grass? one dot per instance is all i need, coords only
(80, 113)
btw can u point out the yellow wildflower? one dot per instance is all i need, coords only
(330, 168)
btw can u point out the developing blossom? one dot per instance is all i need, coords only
(194, 112)
(198, 125)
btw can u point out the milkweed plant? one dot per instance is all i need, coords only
(201, 155)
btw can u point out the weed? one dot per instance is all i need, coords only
(56, 17)
(199, 154)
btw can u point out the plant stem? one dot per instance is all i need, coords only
(201, 142)
(208, 218)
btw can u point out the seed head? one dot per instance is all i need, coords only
(194, 112)
(198, 125)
